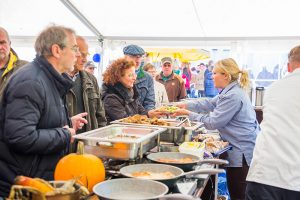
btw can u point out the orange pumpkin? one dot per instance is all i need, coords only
(86, 168)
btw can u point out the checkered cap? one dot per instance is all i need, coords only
(133, 50)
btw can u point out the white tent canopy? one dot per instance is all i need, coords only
(238, 25)
(166, 19)
(184, 20)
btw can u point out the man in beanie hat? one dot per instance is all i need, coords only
(144, 81)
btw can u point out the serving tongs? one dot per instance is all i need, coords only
(184, 121)
(182, 129)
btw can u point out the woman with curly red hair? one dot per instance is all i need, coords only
(120, 96)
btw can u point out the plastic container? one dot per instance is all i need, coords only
(193, 148)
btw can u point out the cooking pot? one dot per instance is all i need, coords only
(134, 189)
(160, 169)
(187, 166)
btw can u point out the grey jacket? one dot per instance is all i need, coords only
(145, 88)
(92, 102)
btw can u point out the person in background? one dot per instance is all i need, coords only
(120, 96)
(186, 76)
(265, 75)
(273, 172)
(144, 82)
(35, 128)
(173, 83)
(85, 96)
(232, 113)
(177, 70)
(161, 96)
(209, 87)
(90, 67)
(9, 61)
(200, 80)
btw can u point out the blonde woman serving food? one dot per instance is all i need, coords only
(232, 113)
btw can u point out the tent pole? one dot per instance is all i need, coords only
(89, 25)
(83, 19)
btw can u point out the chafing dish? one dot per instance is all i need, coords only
(173, 132)
(123, 142)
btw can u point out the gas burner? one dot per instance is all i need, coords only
(115, 164)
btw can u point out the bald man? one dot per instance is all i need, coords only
(9, 61)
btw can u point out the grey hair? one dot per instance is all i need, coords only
(5, 32)
(50, 36)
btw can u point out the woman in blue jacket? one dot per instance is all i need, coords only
(230, 112)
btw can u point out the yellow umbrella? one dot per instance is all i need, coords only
(184, 55)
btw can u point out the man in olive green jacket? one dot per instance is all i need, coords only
(85, 95)
(9, 61)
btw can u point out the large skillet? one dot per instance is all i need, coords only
(128, 171)
(155, 157)
(135, 189)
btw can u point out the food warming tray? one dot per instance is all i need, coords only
(172, 133)
(118, 141)
(172, 124)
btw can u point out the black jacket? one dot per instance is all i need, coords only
(33, 113)
(118, 104)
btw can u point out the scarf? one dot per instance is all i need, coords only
(12, 59)
(140, 72)
(165, 78)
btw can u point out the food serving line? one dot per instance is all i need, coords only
(128, 149)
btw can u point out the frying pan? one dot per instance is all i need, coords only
(134, 189)
(154, 157)
(161, 168)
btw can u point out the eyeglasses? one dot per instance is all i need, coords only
(131, 75)
(75, 48)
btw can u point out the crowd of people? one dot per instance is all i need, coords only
(45, 102)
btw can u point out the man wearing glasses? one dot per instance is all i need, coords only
(35, 129)
(85, 96)
(173, 83)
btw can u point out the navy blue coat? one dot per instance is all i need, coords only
(33, 113)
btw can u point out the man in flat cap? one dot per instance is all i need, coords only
(144, 81)
(90, 67)
(173, 83)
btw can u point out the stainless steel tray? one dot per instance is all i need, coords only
(172, 133)
(172, 122)
(120, 141)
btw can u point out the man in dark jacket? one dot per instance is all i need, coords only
(85, 94)
(9, 61)
(144, 82)
(35, 128)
